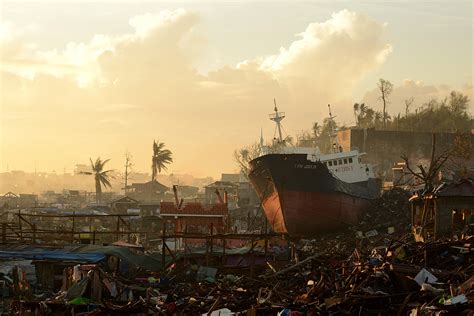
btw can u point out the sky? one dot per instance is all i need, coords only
(99, 78)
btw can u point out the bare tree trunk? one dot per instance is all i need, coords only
(384, 118)
(98, 192)
(431, 176)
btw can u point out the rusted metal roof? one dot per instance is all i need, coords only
(150, 185)
(193, 209)
(461, 188)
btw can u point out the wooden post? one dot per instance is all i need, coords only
(248, 221)
(93, 237)
(33, 238)
(4, 233)
(118, 228)
(212, 239)
(19, 225)
(185, 244)
(73, 226)
(163, 247)
(207, 250)
(266, 245)
(252, 271)
(223, 248)
(290, 257)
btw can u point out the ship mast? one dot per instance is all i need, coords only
(277, 117)
(333, 132)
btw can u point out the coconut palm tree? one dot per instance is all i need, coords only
(316, 130)
(366, 115)
(356, 111)
(379, 119)
(161, 157)
(101, 176)
(360, 113)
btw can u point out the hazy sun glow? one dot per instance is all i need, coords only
(119, 91)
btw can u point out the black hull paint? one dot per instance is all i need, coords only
(303, 198)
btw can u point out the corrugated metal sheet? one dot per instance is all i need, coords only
(54, 255)
(461, 188)
(194, 208)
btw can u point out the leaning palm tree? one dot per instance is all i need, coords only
(101, 176)
(362, 113)
(356, 111)
(161, 157)
(316, 130)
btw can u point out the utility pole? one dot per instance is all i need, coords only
(128, 164)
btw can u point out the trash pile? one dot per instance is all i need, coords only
(369, 270)
(392, 276)
(392, 209)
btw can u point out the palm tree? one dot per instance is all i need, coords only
(316, 130)
(366, 115)
(356, 110)
(161, 157)
(360, 112)
(379, 118)
(101, 176)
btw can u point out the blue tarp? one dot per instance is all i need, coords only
(131, 258)
(53, 255)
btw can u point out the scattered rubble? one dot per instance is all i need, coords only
(376, 268)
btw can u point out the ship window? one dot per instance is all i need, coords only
(330, 163)
(345, 161)
(350, 160)
(360, 160)
(340, 162)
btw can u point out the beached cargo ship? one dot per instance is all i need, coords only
(305, 192)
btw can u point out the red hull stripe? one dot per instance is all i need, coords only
(310, 213)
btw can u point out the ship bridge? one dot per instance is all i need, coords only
(348, 166)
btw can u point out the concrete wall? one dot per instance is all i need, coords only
(384, 148)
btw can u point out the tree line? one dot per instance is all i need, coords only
(447, 115)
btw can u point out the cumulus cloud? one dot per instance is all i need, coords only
(334, 53)
(117, 107)
(147, 81)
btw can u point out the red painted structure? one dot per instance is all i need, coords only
(307, 213)
(195, 217)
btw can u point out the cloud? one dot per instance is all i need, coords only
(324, 42)
(331, 56)
(147, 81)
(111, 121)
(117, 107)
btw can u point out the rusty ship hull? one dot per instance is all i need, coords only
(302, 198)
